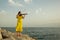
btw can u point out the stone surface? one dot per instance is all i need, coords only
(0, 34)
(7, 35)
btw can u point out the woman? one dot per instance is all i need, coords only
(19, 28)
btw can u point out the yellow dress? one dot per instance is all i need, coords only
(19, 24)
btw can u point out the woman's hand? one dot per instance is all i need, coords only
(23, 16)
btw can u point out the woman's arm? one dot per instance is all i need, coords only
(23, 15)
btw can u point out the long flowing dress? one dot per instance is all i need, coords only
(19, 24)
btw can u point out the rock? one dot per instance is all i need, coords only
(0, 34)
(7, 35)
(12, 38)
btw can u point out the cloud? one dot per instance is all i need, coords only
(38, 10)
(2, 13)
(11, 2)
(27, 1)
(5, 18)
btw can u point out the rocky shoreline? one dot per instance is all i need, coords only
(7, 35)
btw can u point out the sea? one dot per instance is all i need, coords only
(39, 33)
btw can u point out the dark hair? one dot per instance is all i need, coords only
(19, 13)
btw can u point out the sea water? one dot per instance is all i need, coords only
(40, 33)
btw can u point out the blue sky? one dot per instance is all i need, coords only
(41, 13)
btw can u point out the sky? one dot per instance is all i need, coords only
(41, 13)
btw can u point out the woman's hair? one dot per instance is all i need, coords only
(19, 13)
